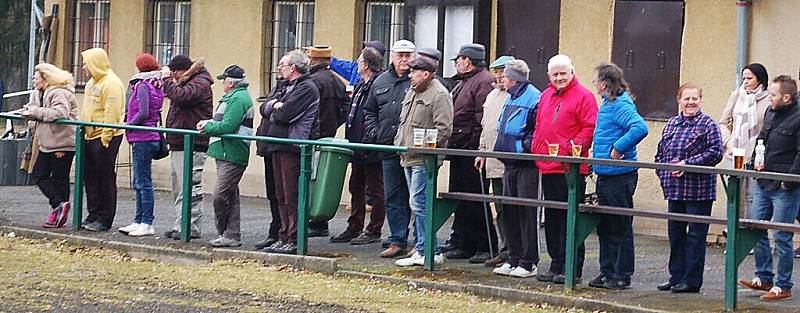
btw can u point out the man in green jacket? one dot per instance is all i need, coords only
(234, 115)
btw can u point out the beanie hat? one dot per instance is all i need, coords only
(180, 62)
(146, 62)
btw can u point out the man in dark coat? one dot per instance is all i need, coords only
(187, 84)
(334, 104)
(472, 239)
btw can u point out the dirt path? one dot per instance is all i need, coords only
(38, 275)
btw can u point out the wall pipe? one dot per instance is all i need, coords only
(742, 29)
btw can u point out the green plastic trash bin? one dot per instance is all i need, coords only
(327, 180)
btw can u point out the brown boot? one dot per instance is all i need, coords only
(393, 251)
(775, 294)
(755, 284)
(495, 262)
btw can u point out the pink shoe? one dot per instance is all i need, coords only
(62, 219)
(51, 220)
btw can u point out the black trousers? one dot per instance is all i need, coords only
(519, 222)
(470, 219)
(554, 187)
(101, 180)
(51, 175)
(269, 177)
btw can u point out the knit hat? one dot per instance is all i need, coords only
(377, 45)
(319, 52)
(179, 62)
(146, 62)
(501, 61)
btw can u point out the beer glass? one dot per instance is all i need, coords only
(430, 137)
(419, 137)
(738, 158)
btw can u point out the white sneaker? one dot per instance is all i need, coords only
(143, 230)
(521, 272)
(415, 259)
(127, 229)
(504, 270)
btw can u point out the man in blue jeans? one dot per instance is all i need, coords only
(777, 200)
(427, 106)
(381, 119)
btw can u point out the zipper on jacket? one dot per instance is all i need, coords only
(555, 116)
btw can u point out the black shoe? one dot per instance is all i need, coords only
(176, 235)
(625, 283)
(684, 288)
(446, 248)
(479, 258)
(96, 227)
(345, 236)
(604, 283)
(317, 233)
(665, 286)
(545, 277)
(365, 238)
(288, 248)
(264, 243)
(457, 254)
(275, 245)
(560, 279)
(796, 253)
(86, 222)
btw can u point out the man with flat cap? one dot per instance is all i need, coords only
(334, 104)
(472, 238)
(428, 106)
(234, 115)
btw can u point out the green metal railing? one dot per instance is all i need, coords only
(581, 221)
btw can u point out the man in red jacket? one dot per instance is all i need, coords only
(566, 119)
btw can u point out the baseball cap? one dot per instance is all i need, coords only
(233, 71)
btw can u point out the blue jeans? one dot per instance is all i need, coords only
(615, 232)
(143, 180)
(779, 206)
(687, 250)
(395, 190)
(415, 175)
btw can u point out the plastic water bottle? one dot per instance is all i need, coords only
(758, 163)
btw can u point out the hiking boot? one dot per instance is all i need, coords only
(756, 284)
(393, 251)
(479, 257)
(775, 294)
(365, 238)
(345, 236)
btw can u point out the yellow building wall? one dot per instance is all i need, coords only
(335, 24)
(774, 38)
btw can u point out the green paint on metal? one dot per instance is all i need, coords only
(303, 197)
(186, 191)
(443, 209)
(747, 239)
(572, 214)
(431, 173)
(731, 267)
(77, 193)
(585, 223)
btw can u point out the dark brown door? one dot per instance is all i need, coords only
(533, 38)
(647, 45)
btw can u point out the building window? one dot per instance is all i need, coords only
(169, 35)
(292, 28)
(384, 22)
(89, 30)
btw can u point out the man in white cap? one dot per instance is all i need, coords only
(382, 118)
(567, 112)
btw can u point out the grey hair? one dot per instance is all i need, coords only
(299, 59)
(373, 59)
(237, 82)
(560, 61)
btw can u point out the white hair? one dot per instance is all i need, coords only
(237, 82)
(560, 61)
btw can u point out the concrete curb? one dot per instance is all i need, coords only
(501, 293)
(328, 266)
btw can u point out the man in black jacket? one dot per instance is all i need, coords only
(334, 104)
(382, 117)
(777, 200)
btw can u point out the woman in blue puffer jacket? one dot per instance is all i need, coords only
(618, 130)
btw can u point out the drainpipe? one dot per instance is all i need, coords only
(31, 45)
(742, 27)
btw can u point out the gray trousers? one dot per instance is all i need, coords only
(226, 199)
(198, 162)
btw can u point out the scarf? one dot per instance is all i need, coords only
(745, 118)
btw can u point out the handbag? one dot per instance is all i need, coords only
(163, 148)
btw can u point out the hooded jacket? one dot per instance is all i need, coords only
(104, 97)
(55, 103)
(564, 117)
(191, 101)
(619, 127)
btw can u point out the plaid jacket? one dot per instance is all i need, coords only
(697, 141)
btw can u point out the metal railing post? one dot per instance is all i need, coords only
(77, 192)
(431, 174)
(303, 188)
(186, 200)
(731, 246)
(574, 185)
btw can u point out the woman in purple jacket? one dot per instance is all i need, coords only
(144, 109)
